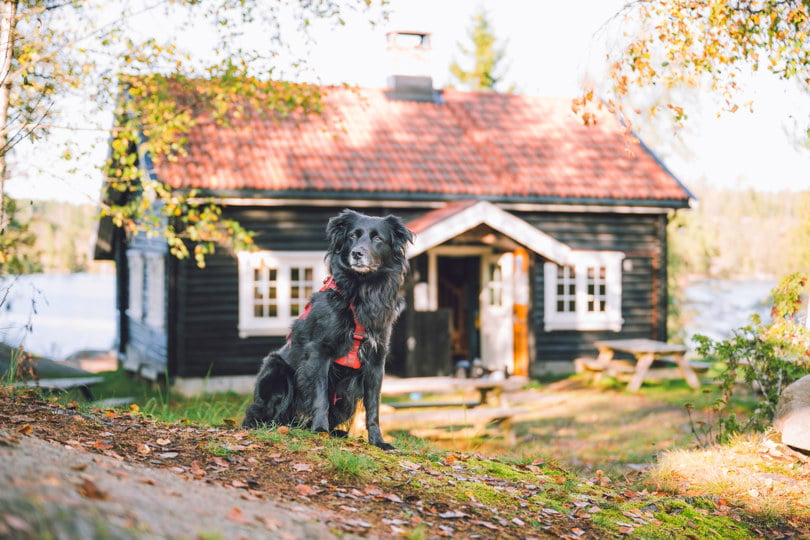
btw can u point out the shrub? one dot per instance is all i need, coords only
(766, 357)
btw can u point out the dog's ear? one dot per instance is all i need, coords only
(338, 229)
(400, 235)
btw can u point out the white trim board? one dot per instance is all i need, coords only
(484, 212)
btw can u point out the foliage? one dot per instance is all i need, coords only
(485, 73)
(704, 241)
(766, 356)
(17, 252)
(103, 50)
(690, 43)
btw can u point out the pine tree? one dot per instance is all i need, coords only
(487, 71)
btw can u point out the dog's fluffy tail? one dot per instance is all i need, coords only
(273, 395)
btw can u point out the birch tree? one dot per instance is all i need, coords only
(96, 50)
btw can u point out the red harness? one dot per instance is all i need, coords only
(351, 360)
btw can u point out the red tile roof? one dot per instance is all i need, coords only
(474, 145)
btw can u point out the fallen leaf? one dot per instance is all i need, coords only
(237, 516)
(269, 523)
(79, 466)
(102, 445)
(452, 515)
(17, 523)
(282, 430)
(487, 524)
(147, 481)
(133, 407)
(168, 455)
(625, 530)
(358, 523)
(25, 429)
(163, 442)
(302, 467)
(89, 489)
(230, 422)
(519, 522)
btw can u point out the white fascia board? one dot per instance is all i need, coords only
(500, 220)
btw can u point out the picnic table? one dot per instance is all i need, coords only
(645, 352)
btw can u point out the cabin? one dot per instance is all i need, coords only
(535, 235)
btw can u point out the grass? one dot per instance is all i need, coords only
(349, 465)
(743, 472)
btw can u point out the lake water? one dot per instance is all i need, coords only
(54, 315)
(716, 307)
(69, 313)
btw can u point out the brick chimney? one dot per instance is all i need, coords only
(409, 57)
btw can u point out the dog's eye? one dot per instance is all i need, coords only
(353, 236)
(378, 238)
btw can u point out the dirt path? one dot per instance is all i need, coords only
(75, 494)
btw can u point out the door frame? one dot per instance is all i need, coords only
(472, 250)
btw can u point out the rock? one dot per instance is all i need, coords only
(792, 418)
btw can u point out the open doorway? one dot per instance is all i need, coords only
(458, 290)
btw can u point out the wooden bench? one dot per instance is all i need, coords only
(490, 391)
(437, 423)
(64, 384)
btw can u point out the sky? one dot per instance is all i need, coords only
(550, 47)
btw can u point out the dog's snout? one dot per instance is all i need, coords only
(357, 255)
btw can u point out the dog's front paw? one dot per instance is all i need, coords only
(383, 445)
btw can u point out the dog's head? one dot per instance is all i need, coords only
(364, 244)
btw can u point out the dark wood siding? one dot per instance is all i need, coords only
(206, 301)
(208, 341)
(642, 238)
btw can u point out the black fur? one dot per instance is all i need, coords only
(300, 383)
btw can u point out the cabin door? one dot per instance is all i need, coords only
(497, 303)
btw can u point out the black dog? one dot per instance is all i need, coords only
(337, 349)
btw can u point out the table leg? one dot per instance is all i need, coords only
(687, 371)
(604, 359)
(643, 363)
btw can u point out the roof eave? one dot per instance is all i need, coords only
(431, 196)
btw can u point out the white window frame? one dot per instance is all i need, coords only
(580, 318)
(283, 262)
(135, 267)
(155, 290)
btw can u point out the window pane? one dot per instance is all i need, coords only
(272, 274)
(272, 293)
(272, 310)
(295, 274)
(295, 309)
(258, 310)
(309, 274)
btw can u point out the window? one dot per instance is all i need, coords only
(274, 288)
(584, 294)
(135, 266)
(155, 291)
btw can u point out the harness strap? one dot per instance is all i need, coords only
(352, 359)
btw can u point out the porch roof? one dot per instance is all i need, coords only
(440, 225)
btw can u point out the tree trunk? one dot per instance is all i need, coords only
(8, 21)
